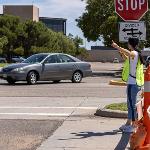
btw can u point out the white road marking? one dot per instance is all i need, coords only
(37, 114)
(20, 107)
(40, 113)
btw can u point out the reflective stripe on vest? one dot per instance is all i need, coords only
(147, 86)
(148, 111)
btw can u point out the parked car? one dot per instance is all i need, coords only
(47, 66)
(3, 60)
(17, 59)
(116, 60)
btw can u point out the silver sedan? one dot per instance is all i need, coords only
(47, 66)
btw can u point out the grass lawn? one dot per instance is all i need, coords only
(117, 106)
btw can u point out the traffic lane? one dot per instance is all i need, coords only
(38, 107)
(51, 107)
(25, 134)
(104, 79)
(50, 100)
(89, 87)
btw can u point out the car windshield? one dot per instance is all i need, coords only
(35, 58)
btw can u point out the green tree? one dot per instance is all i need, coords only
(8, 29)
(79, 51)
(19, 51)
(100, 21)
(78, 41)
(3, 42)
(39, 38)
(29, 37)
(33, 35)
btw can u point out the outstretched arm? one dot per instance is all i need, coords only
(123, 50)
(123, 55)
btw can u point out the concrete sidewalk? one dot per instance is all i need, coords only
(88, 133)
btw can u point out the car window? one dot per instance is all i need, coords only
(65, 58)
(51, 59)
(37, 58)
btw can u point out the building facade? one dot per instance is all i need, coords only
(31, 12)
(23, 11)
(108, 54)
(103, 54)
(56, 24)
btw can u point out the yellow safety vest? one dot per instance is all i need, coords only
(139, 72)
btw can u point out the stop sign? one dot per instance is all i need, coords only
(131, 10)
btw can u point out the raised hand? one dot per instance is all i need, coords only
(114, 44)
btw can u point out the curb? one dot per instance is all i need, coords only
(112, 74)
(111, 113)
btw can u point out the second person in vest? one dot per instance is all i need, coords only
(134, 77)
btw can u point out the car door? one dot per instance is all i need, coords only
(66, 65)
(50, 68)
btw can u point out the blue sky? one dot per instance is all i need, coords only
(69, 9)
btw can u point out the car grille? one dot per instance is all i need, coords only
(7, 69)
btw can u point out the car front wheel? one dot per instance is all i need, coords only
(32, 78)
(77, 77)
(10, 81)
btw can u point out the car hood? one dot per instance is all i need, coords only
(19, 65)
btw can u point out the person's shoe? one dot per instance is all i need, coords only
(128, 129)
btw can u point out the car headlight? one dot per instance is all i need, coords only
(18, 70)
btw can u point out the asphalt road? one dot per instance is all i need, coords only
(31, 113)
(90, 87)
(25, 134)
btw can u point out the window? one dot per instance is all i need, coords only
(52, 59)
(64, 59)
(37, 58)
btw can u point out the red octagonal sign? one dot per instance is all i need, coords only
(131, 10)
